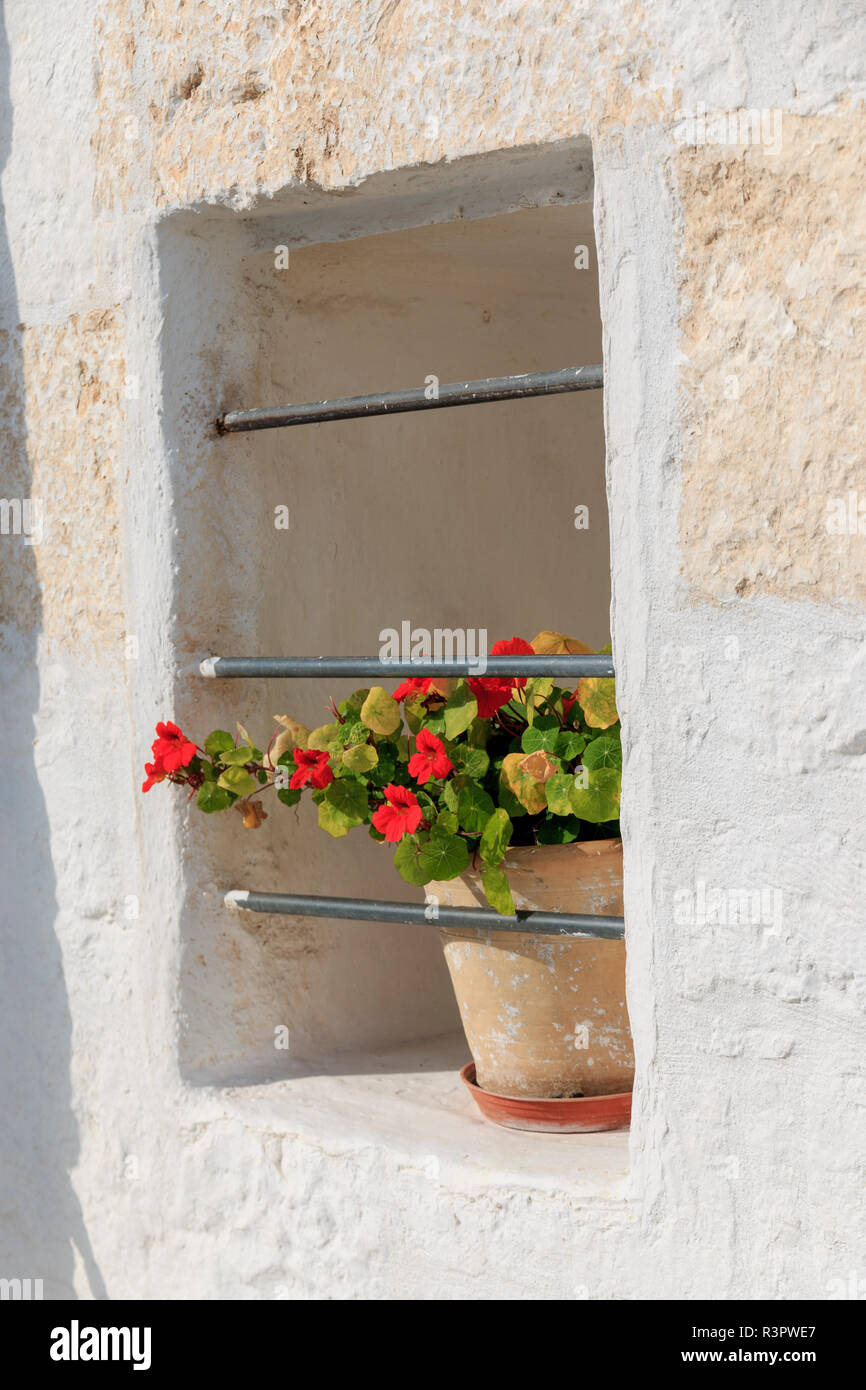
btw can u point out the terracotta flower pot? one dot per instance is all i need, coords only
(544, 1016)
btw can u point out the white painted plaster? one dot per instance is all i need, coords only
(136, 1171)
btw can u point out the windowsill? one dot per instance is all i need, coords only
(411, 1101)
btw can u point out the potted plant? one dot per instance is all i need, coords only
(488, 790)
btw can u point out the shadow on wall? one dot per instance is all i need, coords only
(41, 1224)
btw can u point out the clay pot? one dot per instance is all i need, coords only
(544, 1016)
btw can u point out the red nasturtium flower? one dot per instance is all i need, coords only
(171, 748)
(429, 759)
(568, 701)
(312, 766)
(401, 814)
(154, 773)
(492, 692)
(413, 684)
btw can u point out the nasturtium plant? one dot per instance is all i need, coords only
(450, 773)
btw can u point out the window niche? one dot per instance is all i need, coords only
(314, 539)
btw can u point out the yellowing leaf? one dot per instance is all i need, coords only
(380, 712)
(300, 733)
(529, 792)
(596, 697)
(321, 738)
(557, 644)
(252, 813)
(538, 766)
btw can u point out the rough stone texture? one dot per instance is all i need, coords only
(774, 322)
(745, 731)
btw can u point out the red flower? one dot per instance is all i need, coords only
(401, 814)
(410, 686)
(429, 758)
(172, 748)
(492, 692)
(568, 701)
(155, 773)
(312, 766)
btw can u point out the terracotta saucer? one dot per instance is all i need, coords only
(578, 1115)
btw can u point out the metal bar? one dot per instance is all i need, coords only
(495, 388)
(572, 667)
(475, 918)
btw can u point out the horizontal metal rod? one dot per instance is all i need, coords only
(566, 665)
(495, 388)
(476, 918)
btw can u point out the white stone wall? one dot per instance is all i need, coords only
(733, 349)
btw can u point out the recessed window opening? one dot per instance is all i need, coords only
(314, 540)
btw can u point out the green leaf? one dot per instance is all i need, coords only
(349, 798)
(444, 857)
(559, 788)
(599, 801)
(290, 796)
(380, 712)
(478, 733)
(474, 762)
(497, 890)
(603, 752)
(558, 830)
(407, 861)
(322, 738)
(529, 792)
(212, 797)
(474, 806)
(333, 821)
(460, 710)
(569, 744)
(351, 707)
(237, 780)
(446, 823)
(218, 742)
(236, 757)
(449, 795)
(383, 771)
(496, 836)
(596, 696)
(542, 734)
(360, 759)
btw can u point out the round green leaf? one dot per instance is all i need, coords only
(360, 759)
(599, 800)
(236, 757)
(559, 788)
(603, 752)
(474, 806)
(237, 780)
(542, 734)
(212, 797)
(218, 742)
(444, 857)
(407, 862)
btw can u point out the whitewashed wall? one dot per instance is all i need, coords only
(732, 308)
